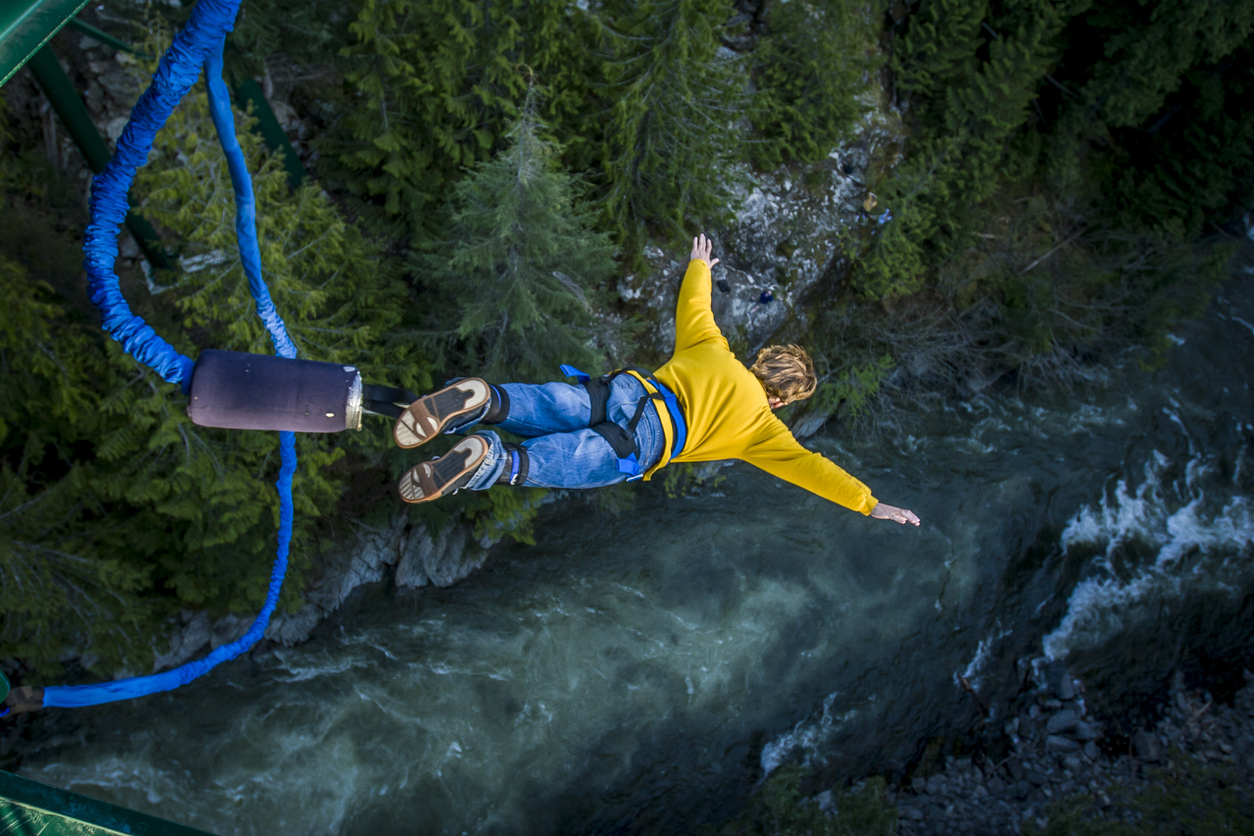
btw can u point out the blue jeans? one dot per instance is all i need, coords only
(563, 452)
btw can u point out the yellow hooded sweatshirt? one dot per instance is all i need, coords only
(726, 411)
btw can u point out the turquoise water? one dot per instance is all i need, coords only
(643, 672)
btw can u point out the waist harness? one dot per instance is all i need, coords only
(623, 441)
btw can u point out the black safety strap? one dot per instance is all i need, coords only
(599, 395)
(385, 400)
(387, 394)
(387, 408)
(619, 439)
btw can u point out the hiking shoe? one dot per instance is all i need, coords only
(427, 417)
(447, 474)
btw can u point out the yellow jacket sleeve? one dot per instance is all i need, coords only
(780, 454)
(694, 321)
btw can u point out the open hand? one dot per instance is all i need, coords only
(701, 249)
(897, 515)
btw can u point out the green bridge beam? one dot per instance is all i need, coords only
(28, 807)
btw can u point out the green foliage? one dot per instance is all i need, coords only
(339, 299)
(519, 264)
(505, 511)
(809, 71)
(114, 508)
(670, 135)
(780, 809)
(1189, 797)
(853, 392)
(64, 576)
(687, 478)
(435, 85)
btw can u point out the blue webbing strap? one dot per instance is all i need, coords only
(199, 43)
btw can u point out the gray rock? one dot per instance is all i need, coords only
(229, 628)
(185, 643)
(410, 573)
(1091, 751)
(1072, 762)
(1015, 767)
(1057, 743)
(1087, 731)
(1059, 681)
(1022, 789)
(919, 785)
(1062, 721)
(936, 785)
(456, 560)
(290, 629)
(995, 786)
(1146, 746)
(1037, 778)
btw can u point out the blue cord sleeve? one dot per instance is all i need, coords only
(245, 204)
(200, 42)
(76, 696)
(176, 73)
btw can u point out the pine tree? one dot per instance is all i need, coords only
(68, 577)
(671, 134)
(520, 263)
(809, 71)
(435, 86)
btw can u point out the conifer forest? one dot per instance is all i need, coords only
(1038, 185)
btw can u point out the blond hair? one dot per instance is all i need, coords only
(786, 372)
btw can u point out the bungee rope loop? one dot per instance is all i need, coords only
(198, 45)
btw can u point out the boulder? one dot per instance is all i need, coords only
(1087, 731)
(1091, 751)
(936, 785)
(1062, 721)
(1058, 680)
(1146, 747)
(1058, 744)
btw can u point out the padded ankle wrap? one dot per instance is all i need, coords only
(516, 467)
(498, 409)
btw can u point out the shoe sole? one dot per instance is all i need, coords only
(427, 417)
(445, 475)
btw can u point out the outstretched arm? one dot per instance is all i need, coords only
(780, 454)
(694, 321)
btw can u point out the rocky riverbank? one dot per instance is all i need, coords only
(1063, 760)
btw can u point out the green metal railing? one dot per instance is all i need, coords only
(26, 26)
(28, 807)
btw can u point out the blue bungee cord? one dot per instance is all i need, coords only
(198, 45)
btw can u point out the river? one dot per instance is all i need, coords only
(643, 672)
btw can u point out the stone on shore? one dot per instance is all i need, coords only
(1062, 721)
(1057, 743)
(1145, 745)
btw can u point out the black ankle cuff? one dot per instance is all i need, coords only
(498, 409)
(517, 465)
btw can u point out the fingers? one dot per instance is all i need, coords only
(701, 249)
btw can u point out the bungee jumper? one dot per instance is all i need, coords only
(703, 405)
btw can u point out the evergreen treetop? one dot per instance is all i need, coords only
(520, 263)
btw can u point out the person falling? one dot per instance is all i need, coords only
(703, 405)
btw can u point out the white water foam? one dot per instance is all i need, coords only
(806, 735)
(983, 652)
(1103, 605)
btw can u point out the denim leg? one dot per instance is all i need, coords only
(538, 409)
(580, 458)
